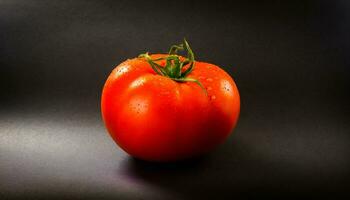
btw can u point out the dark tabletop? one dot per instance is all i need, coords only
(289, 59)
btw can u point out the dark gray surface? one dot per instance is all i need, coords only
(290, 61)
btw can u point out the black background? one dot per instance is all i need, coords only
(290, 60)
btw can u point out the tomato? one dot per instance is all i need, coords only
(166, 107)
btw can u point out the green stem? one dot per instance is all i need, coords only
(174, 66)
(191, 80)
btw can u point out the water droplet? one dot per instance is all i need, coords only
(213, 97)
(209, 79)
(209, 88)
(138, 82)
(139, 105)
(120, 70)
(226, 86)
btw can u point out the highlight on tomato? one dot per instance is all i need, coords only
(168, 107)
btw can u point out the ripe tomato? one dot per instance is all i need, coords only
(165, 107)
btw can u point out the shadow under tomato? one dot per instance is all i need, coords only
(226, 172)
(177, 167)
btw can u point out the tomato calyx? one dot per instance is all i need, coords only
(174, 66)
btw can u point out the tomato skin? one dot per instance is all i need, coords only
(154, 118)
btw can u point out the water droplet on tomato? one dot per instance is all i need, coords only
(138, 82)
(119, 71)
(139, 105)
(226, 87)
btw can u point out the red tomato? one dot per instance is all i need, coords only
(165, 107)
